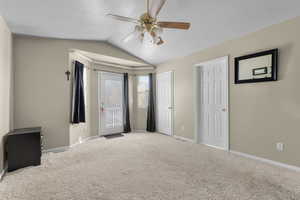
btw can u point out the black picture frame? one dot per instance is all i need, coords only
(273, 52)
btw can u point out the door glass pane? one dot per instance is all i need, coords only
(111, 115)
(143, 91)
(113, 101)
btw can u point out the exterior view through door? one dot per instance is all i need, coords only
(164, 95)
(212, 101)
(111, 97)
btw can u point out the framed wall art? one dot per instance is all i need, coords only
(258, 67)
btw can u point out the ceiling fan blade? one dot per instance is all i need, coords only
(175, 25)
(156, 7)
(138, 30)
(121, 18)
(129, 37)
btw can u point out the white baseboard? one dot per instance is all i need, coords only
(66, 148)
(215, 147)
(57, 150)
(139, 131)
(184, 139)
(272, 162)
(84, 140)
(2, 174)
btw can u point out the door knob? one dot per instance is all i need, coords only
(170, 107)
(102, 107)
(224, 109)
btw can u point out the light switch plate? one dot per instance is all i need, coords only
(280, 147)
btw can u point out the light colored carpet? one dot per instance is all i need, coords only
(149, 167)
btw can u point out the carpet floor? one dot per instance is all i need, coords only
(149, 167)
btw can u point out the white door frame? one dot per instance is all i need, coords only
(172, 99)
(197, 99)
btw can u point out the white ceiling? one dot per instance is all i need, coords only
(213, 21)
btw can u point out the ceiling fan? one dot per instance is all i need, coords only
(148, 23)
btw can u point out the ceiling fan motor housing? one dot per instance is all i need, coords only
(148, 22)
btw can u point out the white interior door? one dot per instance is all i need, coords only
(111, 103)
(213, 100)
(164, 95)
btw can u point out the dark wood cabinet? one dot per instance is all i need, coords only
(23, 148)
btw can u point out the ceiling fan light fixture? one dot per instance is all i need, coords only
(139, 29)
(141, 37)
(155, 40)
(157, 30)
(160, 42)
(148, 28)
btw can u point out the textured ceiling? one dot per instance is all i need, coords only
(213, 21)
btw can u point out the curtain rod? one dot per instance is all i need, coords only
(103, 70)
(130, 73)
(90, 68)
(99, 70)
(117, 66)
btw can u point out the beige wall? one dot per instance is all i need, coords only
(261, 114)
(42, 93)
(5, 84)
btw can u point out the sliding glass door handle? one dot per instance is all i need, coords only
(102, 107)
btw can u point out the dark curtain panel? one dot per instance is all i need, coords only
(151, 123)
(126, 116)
(78, 104)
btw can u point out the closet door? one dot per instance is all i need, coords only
(214, 103)
(164, 88)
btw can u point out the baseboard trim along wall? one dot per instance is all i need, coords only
(66, 148)
(184, 139)
(2, 175)
(272, 162)
(215, 147)
(84, 140)
(139, 131)
(57, 150)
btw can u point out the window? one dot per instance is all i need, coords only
(143, 91)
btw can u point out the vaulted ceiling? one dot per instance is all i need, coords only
(213, 21)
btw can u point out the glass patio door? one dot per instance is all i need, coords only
(111, 103)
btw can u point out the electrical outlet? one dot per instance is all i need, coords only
(280, 147)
